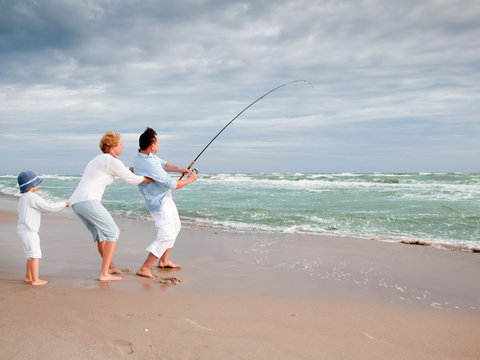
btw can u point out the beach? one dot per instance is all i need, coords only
(238, 296)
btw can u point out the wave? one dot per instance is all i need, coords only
(61, 177)
(238, 226)
(431, 207)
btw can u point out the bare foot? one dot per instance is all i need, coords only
(145, 273)
(109, 278)
(115, 271)
(28, 281)
(39, 282)
(168, 265)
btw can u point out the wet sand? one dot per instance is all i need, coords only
(237, 296)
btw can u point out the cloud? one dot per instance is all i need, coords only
(382, 70)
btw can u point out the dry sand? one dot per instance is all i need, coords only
(240, 296)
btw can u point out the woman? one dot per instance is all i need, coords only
(85, 200)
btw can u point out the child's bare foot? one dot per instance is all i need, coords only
(144, 273)
(109, 277)
(168, 265)
(39, 282)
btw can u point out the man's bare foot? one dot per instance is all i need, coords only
(39, 282)
(144, 273)
(109, 278)
(168, 265)
(115, 271)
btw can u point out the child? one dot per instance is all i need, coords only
(29, 207)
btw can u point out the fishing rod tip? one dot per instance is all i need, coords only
(309, 83)
(302, 80)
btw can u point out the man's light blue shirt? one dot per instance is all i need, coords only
(153, 167)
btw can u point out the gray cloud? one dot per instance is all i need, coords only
(391, 78)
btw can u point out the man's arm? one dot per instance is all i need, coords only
(173, 168)
(192, 176)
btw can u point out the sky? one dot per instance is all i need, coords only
(396, 84)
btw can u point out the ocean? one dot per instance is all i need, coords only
(439, 209)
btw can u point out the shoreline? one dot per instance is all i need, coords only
(238, 296)
(209, 227)
(362, 267)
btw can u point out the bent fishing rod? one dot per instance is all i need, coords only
(240, 113)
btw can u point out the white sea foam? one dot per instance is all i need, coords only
(61, 177)
(9, 190)
(433, 208)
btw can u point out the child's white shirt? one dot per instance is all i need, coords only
(30, 207)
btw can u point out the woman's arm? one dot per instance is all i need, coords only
(146, 180)
(120, 170)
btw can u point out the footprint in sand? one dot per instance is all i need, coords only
(123, 346)
(197, 325)
(168, 269)
(167, 280)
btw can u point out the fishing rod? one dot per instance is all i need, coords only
(240, 113)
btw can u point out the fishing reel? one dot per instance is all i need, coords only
(195, 170)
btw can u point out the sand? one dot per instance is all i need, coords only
(237, 296)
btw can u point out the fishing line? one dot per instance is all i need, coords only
(240, 113)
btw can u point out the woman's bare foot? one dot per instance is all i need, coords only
(39, 282)
(109, 278)
(27, 281)
(168, 265)
(115, 271)
(144, 273)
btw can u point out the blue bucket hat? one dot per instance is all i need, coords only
(28, 179)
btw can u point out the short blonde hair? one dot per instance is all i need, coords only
(109, 140)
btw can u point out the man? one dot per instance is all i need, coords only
(158, 198)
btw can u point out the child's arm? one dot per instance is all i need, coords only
(44, 205)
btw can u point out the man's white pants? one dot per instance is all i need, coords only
(168, 226)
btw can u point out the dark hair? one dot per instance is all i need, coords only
(147, 138)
